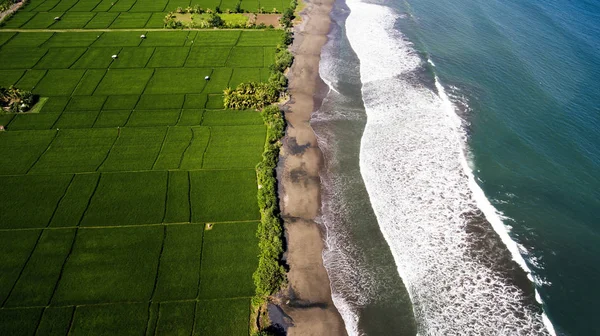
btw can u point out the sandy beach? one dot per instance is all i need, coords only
(308, 299)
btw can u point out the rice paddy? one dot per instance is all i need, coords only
(129, 199)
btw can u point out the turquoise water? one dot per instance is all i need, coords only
(461, 146)
(527, 75)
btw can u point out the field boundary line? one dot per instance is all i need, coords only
(188, 54)
(12, 288)
(89, 201)
(198, 286)
(73, 5)
(24, 71)
(206, 148)
(186, 148)
(34, 6)
(230, 75)
(200, 266)
(128, 9)
(14, 116)
(146, 86)
(38, 61)
(131, 171)
(162, 248)
(129, 116)
(44, 152)
(127, 302)
(60, 115)
(71, 321)
(97, 116)
(150, 16)
(111, 147)
(190, 195)
(39, 321)
(60, 200)
(149, 58)
(240, 34)
(180, 114)
(113, 20)
(227, 59)
(202, 117)
(50, 9)
(75, 61)
(147, 331)
(90, 19)
(162, 146)
(166, 197)
(92, 10)
(62, 268)
(129, 225)
(26, 22)
(194, 319)
(97, 84)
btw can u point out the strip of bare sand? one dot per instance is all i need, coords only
(308, 299)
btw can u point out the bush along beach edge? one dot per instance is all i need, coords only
(270, 276)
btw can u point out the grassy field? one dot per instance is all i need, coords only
(123, 14)
(129, 199)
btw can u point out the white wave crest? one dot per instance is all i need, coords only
(421, 187)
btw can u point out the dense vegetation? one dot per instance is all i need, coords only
(15, 100)
(5, 4)
(270, 275)
(250, 95)
(289, 15)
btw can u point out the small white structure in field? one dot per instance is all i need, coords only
(115, 56)
(57, 18)
(142, 36)
(206, 77)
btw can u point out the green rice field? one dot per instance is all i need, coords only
(129, 193)
(121, 14)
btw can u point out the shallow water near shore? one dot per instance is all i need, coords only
(366, 288)
(477, 164)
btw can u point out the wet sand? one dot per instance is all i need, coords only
(308, 299)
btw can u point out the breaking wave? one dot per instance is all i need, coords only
(413, 162)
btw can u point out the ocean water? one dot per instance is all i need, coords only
(461, 188)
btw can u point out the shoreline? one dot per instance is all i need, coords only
(307, 299)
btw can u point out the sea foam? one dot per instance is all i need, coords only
(421, 188)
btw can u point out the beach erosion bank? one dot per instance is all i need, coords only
(307, 300)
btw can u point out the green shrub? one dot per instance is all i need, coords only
(5, 5)
(278, 80)
(287, 38)
(287, 18)
(250, 95)
(270, 274)
(214, 20)
(283, 59)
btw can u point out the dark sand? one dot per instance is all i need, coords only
(308, 299)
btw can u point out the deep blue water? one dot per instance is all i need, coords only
(529, 73)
